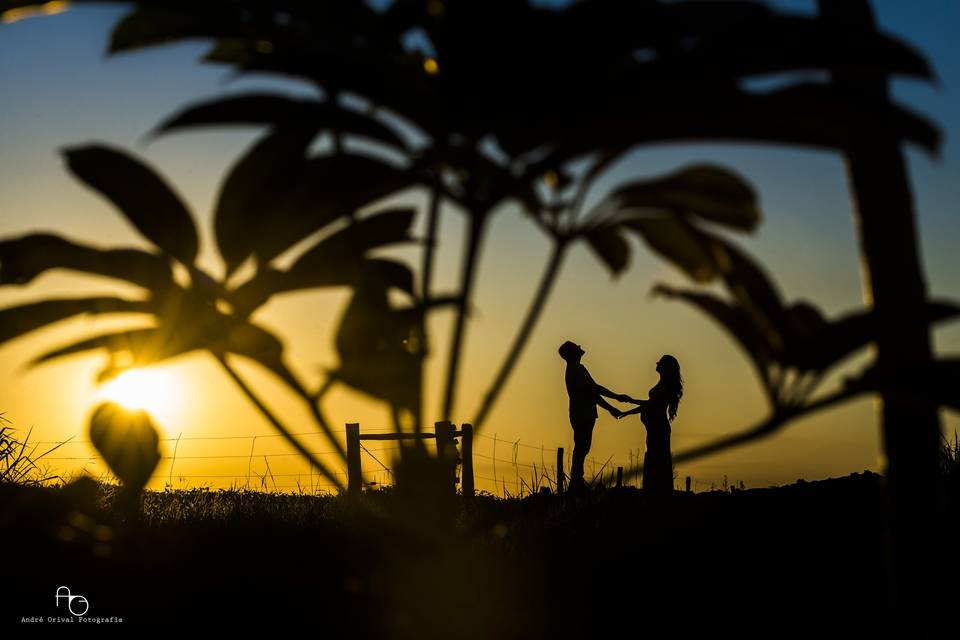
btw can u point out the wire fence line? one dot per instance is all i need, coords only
(493, 473)
(266, 435)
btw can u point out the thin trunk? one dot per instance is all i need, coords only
(910, 421)
(468, 276)
(894, 284)
(526, 329)
(279, 426)
(429, 255)
(433, 224)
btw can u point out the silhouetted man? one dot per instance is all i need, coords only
(585, 395)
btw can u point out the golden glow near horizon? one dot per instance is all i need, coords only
(158, 392)
(31, 11)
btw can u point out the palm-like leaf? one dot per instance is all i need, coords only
(260, 187)
(141, 195)
(275, 196)
(798, 337)
(337, 260)
(19, 320)
(274, 110)
(662, 211)
(23, 259)
(708, 192)
(690, 47)
(381, 348)
(737, 323)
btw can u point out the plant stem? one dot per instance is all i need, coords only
(314, 403)
(433, 223)
(273, 420)
(474, 240)
(526, 329)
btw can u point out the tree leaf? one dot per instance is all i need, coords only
(153, 25)
(212, 331)
(141, 195)
(128, 441)
(256, 194)
(781, 43)
(23, 259)
(131, 348)
(350, 243)
(330, 187)
(381, 349)
(834, 341)
(270, 109)
(706, 191)
(610, 246)
(751, 338)
(256, 343)
(750, 286)
(22, 319)
(336, 260)
(679, 243)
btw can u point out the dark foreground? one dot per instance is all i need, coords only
(769, 562)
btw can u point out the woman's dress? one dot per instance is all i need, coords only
(657, 461)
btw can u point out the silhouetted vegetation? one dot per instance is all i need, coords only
(510, 568)
(495, 106)
(20, 461)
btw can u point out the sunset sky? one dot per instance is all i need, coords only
(60, 90)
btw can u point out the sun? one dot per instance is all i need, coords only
(156, 391)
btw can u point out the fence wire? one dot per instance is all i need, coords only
(492, 473)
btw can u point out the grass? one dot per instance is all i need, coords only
(532, 567)
(20, 462)
(950, 458)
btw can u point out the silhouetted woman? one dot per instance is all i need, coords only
(657, 413)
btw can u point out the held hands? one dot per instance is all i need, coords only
(616, 413)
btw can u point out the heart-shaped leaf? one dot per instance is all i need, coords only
(128, 441)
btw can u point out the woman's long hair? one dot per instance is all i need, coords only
(672, 382)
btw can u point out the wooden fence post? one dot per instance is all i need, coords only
(445, 451)
(354, 477)
(466, 471)
(560, 471)
(619, 477)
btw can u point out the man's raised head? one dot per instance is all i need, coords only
(570, 351)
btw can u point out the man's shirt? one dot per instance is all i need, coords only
(583, 393)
